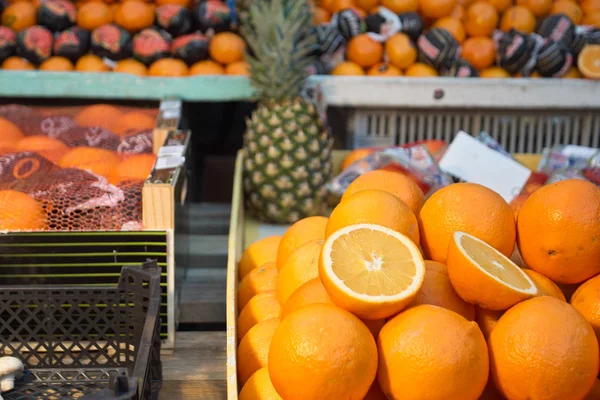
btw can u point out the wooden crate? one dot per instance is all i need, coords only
(243, 231)
(95, 258)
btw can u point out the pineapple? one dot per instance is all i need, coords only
(287, 147)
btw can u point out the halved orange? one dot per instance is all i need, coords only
(482, 275)
(588, 61)
(370, 270)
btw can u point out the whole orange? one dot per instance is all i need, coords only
(592, 19)
(93, 15)
(131, 66)
(481, 19)
(501, 5)
(428, 352)
(519, 18)
(545, 286)
(568, 7)
(437, 290)
(586, 300)
(366, 4)
(590, 6)
(137, 166)
(261, 279)
(20, 212)
(168, 67)
(339, 5)
(494, 72)
(487, 320)
(452, 209)
(383, 69)
(17, 64)
(103, 115)
(253, 351)
(300, 267)
(134, 122)
(400, 51)
(543, 348)
(11, 134)
(479, 51)
(401, 6)
(207, 67)
(364, 51)
(420, 70)
(395, 183)
(226, 48)
(238, 68)
(374, 207)
(98, 161)
(18, 16)
(436, 8)
(321, 15)
(558, 227)
(259, 387)
(322, 352)
(261, 307)
(539, 8)
(91, 63)
(311, 292)
(57, 63)
(356, 155)
(301, 232)
(52, 149)
(434, 266)
(347, 68)
(259, 253)
(453, 26)
(134, 15)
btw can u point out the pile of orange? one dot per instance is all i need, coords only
(398, 297)
(226, 49)
(32, 160)
(470, 22)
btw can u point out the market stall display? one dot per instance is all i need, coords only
(457, 38)
(165, 39)
(83, 343)
(375, 269)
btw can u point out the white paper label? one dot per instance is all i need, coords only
(579, 151)
(171, 114)
(171, 151)
(170, 104)
(169, 162)
(472, 161)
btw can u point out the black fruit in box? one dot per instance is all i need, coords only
(438, 48)
(348, 22)
(558, 28)
(461, 68)
(554, 59)
(212, 15)
(150, 45)
(35, 44)
(57, 15)
(72, 43)
(584, 35)
(174, 19)
(412, 24)
(112, 42)
(190, 48)
(517, 52)
(8, 42)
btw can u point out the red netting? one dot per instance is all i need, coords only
(74, 168)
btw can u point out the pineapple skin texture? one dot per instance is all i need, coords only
(287, 162)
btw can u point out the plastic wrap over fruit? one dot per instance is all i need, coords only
(414, 161)
(383, 24)
(517, 52)
(349, 23)
(565, 157)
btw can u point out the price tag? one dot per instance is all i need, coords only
(167, 151)
(170, 104)
(169, 162)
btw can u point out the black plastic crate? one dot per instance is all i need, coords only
(85, 343)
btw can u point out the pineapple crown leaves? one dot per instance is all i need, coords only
(279, 34)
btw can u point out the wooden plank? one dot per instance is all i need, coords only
(443, 92)
(379, 92)
(196, 369)
(122, 86)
